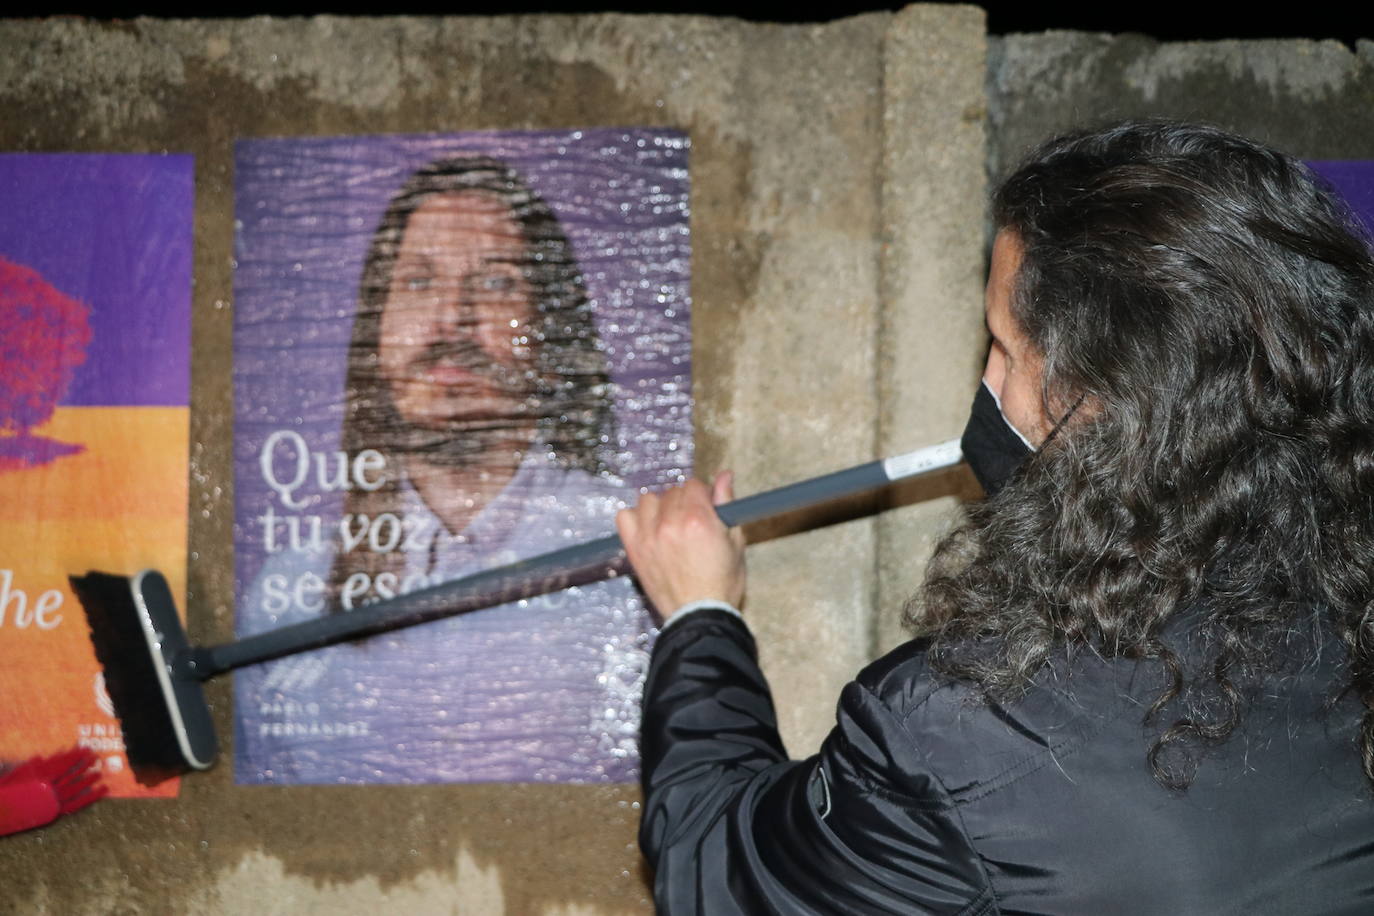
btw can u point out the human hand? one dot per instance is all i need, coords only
(680, 549)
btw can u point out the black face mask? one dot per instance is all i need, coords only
(992, 446)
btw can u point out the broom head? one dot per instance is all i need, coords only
(137, 637)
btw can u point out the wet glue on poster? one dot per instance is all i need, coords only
(452, 352)
(95, 286)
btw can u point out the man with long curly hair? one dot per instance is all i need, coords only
(1147, 684)
(475, 373)
(475, 367)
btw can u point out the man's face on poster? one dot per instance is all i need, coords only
(455, 342)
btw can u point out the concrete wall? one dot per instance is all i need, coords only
(1314, 99)
(836, 175)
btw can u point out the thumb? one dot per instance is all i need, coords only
(723, 488)
(723, 491)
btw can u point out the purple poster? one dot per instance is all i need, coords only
(452, 352)
(1354, 179)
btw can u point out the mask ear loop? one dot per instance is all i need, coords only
(1059, 424)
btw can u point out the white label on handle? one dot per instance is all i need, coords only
(930, 458)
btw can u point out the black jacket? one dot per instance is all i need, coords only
(922, 800)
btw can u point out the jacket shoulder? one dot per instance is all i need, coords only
(903, 679)
(974, 745)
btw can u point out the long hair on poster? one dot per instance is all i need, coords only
(452, 352)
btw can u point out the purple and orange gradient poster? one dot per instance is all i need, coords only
(95, 287)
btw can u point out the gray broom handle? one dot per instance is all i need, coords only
(576, 565)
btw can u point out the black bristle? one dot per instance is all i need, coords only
(130, 676)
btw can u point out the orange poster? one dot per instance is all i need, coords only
(95, 281)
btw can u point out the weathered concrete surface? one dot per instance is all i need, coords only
(1314, 99)
(800, 343)
(931, 343)
(795, 224)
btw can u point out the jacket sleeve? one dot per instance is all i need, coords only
(732, 826)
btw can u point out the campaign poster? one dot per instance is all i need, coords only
(1354, 179)
(95, 308)
(452, 352)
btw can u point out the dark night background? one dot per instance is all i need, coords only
(1168, 22)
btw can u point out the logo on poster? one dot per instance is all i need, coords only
(100, 737)
(102, 696)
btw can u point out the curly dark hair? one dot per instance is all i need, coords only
(1211, 302)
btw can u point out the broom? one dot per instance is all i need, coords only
(154, 674)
